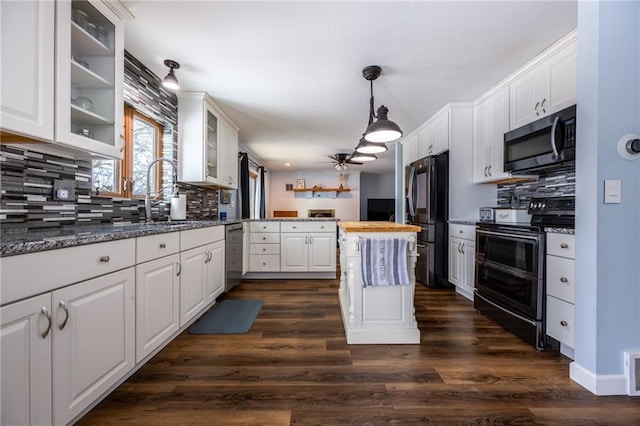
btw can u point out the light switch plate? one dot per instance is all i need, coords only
(612, 191)
(64, 190)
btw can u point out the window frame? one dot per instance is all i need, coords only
(125, 166)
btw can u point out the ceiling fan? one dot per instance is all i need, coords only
(341, 160)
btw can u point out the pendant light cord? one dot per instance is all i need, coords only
(371, 113)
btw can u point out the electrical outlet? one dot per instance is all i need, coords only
(64, 190)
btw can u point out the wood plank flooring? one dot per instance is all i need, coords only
(294, 367)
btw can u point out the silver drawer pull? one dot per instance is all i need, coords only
(163, 245)
(48, 317)
(564, 323)
(264, 238)
(264, 263)
(564, 245)
(295, 227)
(179, 271)
(104, 259)
(264, 249)
(461, 231)
(66, 311)
(564, 280)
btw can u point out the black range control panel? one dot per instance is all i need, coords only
(560, 206)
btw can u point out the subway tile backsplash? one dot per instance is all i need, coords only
(26, 176)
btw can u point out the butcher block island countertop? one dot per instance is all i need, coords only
(377, 227)
(381, 312)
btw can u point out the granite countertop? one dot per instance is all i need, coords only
(377, 227)
(297, 219)
(557, 230)
(464, 222)
(22, 242)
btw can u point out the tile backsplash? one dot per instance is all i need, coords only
(556, 184)
(27, 175)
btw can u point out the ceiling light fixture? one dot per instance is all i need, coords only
(170, 81)
(340, 166)
(366, 147)
(383, 130)
(362, 158)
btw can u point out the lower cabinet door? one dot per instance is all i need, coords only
(455, 255)
(469, 256)
(322, 252)
(25, 362)
(216, 278)
(93, 342)
(157, 303)
(294, 252)
(192, 283)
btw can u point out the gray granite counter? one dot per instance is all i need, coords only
(557, 230)
(463, 222)
(17, 242)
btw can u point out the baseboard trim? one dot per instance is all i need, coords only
(609, 384)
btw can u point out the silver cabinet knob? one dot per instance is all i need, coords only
(564, 245)
(264, 263)
(564, 323)
(104, 259)
(564, 280)
(264, 249)
(264, 238)
(163, 245)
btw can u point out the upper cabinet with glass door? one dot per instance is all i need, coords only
(207, 142)
(90, 70)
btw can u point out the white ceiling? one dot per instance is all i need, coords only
(289, 73)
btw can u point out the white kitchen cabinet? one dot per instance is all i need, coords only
(157, 302)
(25, 362)
(264, 246)
(215, 271)
(410, 149)
(490, 122)
(89, 65)
(93, 341)
(308, 247)
(462, 258)
(207, 142)
(547, 85)
(27, 31)
(433, 136)
(560, 290)
(201, 281)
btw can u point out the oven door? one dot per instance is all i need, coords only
(509, 269)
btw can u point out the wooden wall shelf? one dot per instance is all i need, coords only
(312, 191)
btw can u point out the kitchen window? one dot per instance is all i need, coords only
(253, 193)
(127, 178)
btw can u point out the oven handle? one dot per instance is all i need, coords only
(502, 234)
(527, 320)
(553, 137)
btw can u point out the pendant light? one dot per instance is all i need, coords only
(170, 81)
(366, 147)
(383, 130)
(362, 158)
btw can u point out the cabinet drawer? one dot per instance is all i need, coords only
(468, 232)
(201, 236)
(264, 227)
(265, 249)
(560, 278)
(34, 273)
(560, 315)
(265, 237)
(156, 246)
(561, 245)
(324, 226)
(264, 263)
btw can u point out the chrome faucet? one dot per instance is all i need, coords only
(147, 198)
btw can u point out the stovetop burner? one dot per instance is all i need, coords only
(556, 212)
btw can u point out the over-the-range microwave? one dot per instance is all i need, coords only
(549, 142)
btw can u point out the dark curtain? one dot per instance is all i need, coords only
(244, 185)
(262, 203)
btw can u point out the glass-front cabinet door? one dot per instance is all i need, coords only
(89, 83)
(212, 148)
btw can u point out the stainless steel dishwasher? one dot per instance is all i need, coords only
(233, 254)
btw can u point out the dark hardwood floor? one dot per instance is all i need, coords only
(295, 367)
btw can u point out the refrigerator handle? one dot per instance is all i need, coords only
(412, 191)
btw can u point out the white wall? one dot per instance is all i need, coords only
(346, 204)
(607, 294)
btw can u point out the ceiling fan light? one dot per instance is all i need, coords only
(362, 158)
(383, 130)
(367, 147)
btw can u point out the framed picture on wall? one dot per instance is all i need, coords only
(300, 184)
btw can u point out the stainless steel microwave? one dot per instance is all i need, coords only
(547, 143)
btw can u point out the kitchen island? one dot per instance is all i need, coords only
(380, 312)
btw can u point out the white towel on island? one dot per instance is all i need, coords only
(383, 261)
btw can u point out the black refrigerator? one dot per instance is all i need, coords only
(427, 189)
